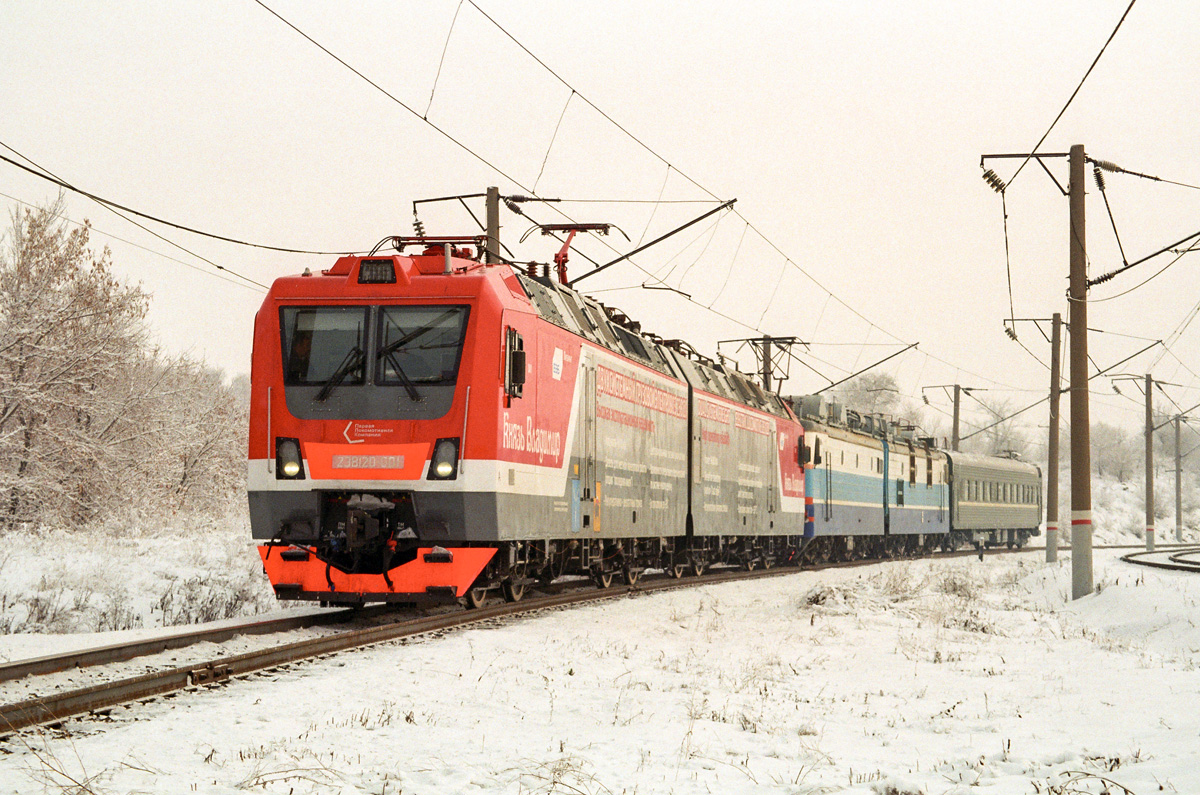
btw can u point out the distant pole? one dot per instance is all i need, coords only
(766, 363)
(1178, 483)
(493, 226)
(1149, 463)
(1052, 464)
(954, 438)
(1081, 453)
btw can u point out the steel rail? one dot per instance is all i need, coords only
(55, 708)
(120, 652)
(1174, 562)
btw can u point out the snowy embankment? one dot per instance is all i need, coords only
(125, 576)
(923, 677)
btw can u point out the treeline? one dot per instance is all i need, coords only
(96, 422)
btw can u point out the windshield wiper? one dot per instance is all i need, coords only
(354, 358)
(392, 347)
(409, 386)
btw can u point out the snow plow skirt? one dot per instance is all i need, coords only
(296, 573)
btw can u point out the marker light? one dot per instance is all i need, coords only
(444, 464)
(288, 463)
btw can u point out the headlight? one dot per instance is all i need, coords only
(444, 464)
(288, 463)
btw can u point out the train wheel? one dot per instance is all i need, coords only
(630, 576)
(513, 590)
(603, 579)
(697, 567)
(677, 570)
(768, 561)
(475, 598)
(750, 564)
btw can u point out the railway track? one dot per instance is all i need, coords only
(53, 708)
(1172, 559)
(120, 652)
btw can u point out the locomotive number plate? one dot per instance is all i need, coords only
(368, 462)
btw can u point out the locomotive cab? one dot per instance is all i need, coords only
(360, 395)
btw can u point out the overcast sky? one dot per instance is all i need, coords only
(849, 132)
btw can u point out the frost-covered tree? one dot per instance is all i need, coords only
(871, 393)
(92, 420)
(68, 330)
(1115, 451)
(1004, 433)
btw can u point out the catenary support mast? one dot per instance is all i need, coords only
(1081, 453)
(1052, 463)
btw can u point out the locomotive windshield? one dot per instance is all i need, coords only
(371, 362)
(419, 344)
(320, 342)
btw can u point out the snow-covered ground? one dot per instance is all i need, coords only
(126, 577)
(912, 677)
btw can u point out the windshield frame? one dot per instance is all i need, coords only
(386, 354)
(291, 337)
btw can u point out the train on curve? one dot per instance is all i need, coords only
(436, 424)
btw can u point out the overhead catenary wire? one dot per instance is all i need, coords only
(117, 210)
(445, 134)
(442, 60)
(176, 260)
(685, 176)
(47, 175)
(1074, 93)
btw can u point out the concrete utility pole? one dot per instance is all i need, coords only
(1178, 483)
(1052, 465)
(1081, 452)
(954, 437)
(1149, 463)
(492, 250)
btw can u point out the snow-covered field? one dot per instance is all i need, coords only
(126, 576)
(910, 677)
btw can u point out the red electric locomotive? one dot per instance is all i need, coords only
(431, 425)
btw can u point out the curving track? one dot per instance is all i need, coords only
(1187, 559)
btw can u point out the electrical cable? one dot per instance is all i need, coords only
(1179, 255)
(116, 209)
(553, 138)
(442, 60)
(1012, 313)
(47, 175)
(1113, 167)
(138, 246)
(732, 265)
(1074, 93)
(395, 99)
(616, 124)
(662, 159)
(591, 104)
